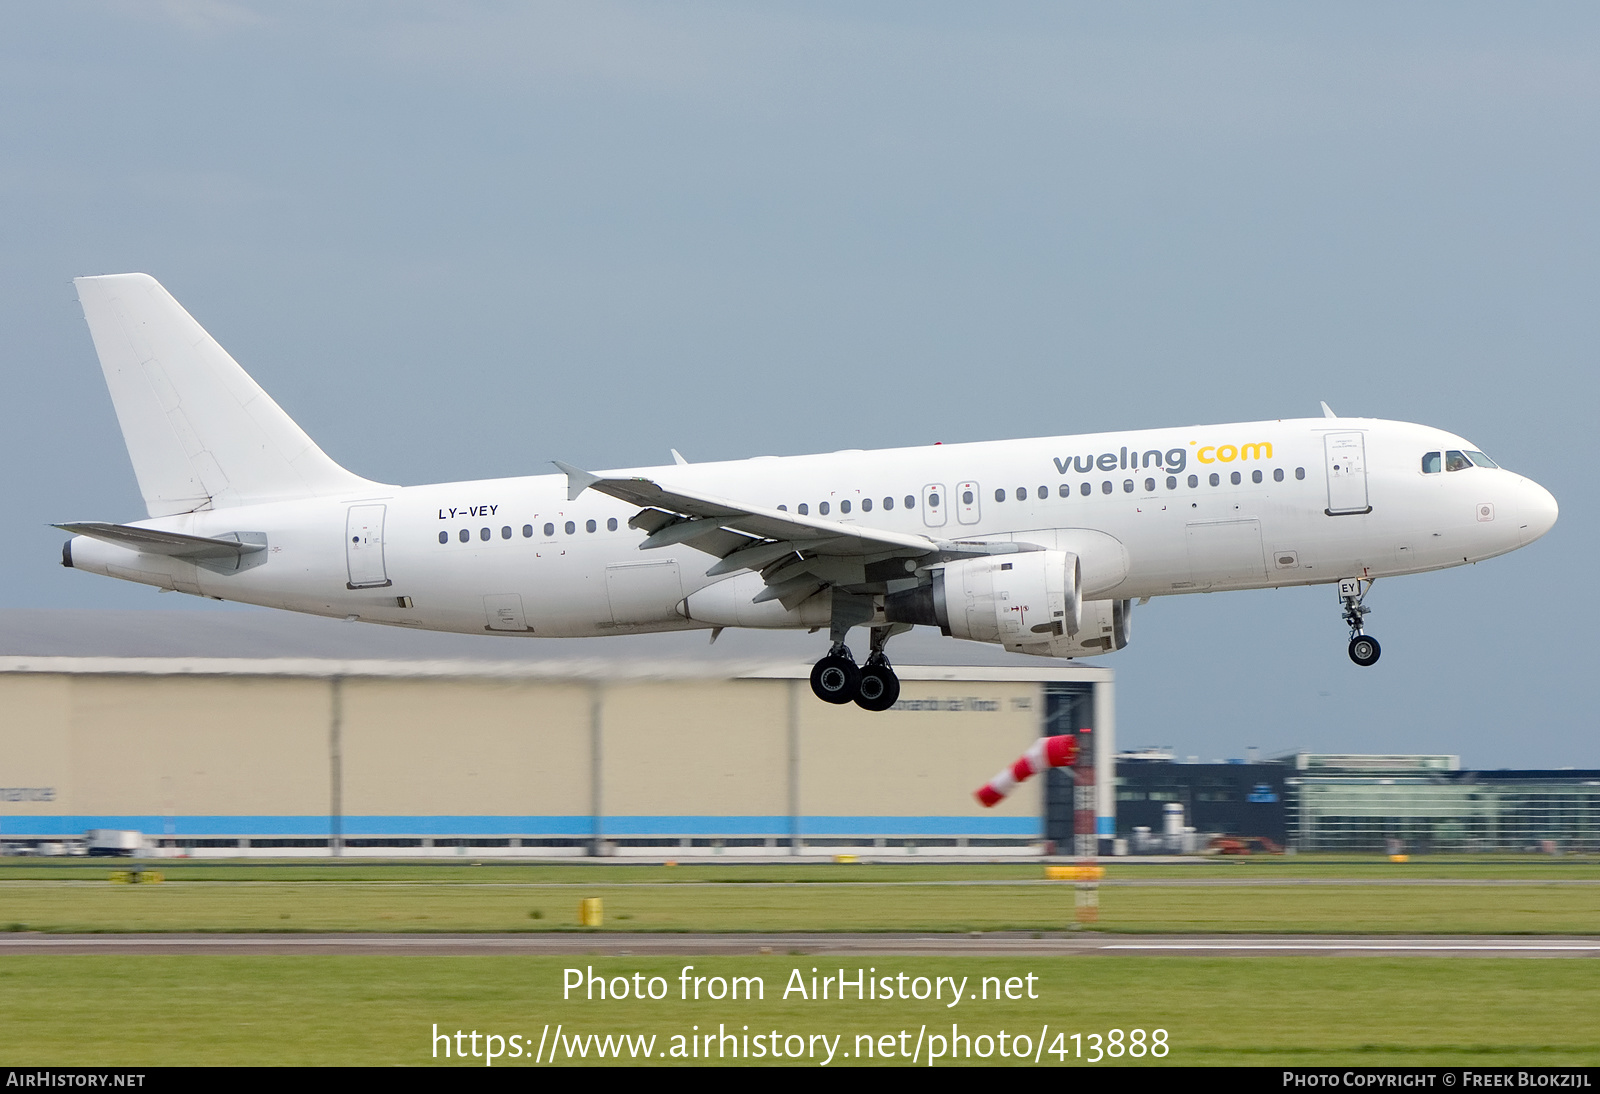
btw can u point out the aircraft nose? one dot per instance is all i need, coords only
(1539, 511)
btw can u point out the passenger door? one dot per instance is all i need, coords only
(363, 547)
(1346, 461)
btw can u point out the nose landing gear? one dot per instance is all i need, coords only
(1364, 649)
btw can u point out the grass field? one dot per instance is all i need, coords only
(1514, 897)
(381, 1010)
(1463, 867)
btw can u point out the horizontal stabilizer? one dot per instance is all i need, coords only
(153, 542)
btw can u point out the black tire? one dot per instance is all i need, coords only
(880, 688)
(1364, 650)
(835, 680)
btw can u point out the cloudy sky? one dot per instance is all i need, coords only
(457, 240)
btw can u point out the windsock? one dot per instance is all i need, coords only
(1046, 752)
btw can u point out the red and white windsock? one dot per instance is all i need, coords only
(1046, 752)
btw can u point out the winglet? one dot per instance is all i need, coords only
(578, 480)
(1327, 411)
(677, 457)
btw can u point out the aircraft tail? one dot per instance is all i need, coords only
(201, 433)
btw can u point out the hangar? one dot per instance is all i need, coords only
(647, 755)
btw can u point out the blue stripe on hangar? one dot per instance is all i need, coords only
(578, 826)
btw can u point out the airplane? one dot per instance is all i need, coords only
(1040, 546)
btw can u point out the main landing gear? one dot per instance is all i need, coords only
(872, 686)
(1364, 649)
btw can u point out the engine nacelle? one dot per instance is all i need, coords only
(1104, 628)
(1028, 597)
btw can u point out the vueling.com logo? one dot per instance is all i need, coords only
(1173, 460)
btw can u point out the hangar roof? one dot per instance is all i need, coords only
(232, 641)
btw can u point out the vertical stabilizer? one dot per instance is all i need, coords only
(201, 433)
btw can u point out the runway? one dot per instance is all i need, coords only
(616, 944)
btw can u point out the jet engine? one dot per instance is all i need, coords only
(1103, 628)
(1018, 599)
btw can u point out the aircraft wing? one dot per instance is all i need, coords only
(151, 541)
(796, 555)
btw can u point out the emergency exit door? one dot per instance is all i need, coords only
(363, 547)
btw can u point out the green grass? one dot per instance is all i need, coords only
(95, 906)
(191, 1009)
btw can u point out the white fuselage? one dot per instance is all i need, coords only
(1253, 505)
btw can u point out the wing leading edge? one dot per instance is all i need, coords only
(797, 556)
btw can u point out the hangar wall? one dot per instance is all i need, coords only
(394, 757)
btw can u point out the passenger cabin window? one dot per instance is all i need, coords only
(844, 507)
(1432, 463)
(933, 500)
(1194, 481)
(1066, 490)
(999, 495)
(611, 525)
(802, 509)
(1172, 482)
(1299, 472)
(822, 510)
(1456, 461)
(1255, 476)
(1127, 486)
(1022, 493)
(1235, 478)
(888, 503)
(1044, 492)
(1277, 474)
(1085, 489)
(783, 508)
(466, 536)
(549, 530)
(483, 533)
(1105, 487)
(571, 528)
(1149, 486)
(527, 531)
(589, 526)
(866, 505)
(505, 532)
(911, 501)
(444, 537)
(1216, 479)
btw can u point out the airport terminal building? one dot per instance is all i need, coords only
(1363, 803)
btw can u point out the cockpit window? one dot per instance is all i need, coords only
(1430, 464)
(1480, 459)
(1456, 461)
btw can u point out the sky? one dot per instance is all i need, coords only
(459, 240)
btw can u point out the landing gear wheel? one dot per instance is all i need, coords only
(1364, 650)
(836, 679)
(880, 687)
